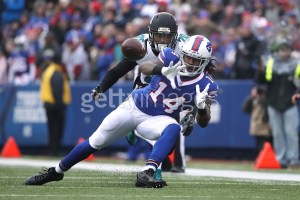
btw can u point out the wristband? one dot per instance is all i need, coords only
(202, 111)
(156, 70)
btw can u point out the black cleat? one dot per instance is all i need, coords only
(145, 179)
(47, 175)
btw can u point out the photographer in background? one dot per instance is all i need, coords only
(255, 105)
(281, 69)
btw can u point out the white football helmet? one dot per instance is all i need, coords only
(195, 55)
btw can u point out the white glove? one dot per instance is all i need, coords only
(171, 72)
(201, 96)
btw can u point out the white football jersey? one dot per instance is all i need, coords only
(150, 56)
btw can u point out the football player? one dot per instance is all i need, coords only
(173, 88)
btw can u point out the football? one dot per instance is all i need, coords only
(133, 49)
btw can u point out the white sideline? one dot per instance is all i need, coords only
(133, 168)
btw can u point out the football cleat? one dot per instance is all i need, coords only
(157, 175)
(47, 175)
(145, 179)
(131, 138)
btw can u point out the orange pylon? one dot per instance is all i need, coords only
(266, 158)
(11, 149)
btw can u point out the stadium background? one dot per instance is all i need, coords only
(99, 27)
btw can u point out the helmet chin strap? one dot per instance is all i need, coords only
(191, 74)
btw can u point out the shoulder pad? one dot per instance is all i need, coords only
(142, 37)
(180, 41)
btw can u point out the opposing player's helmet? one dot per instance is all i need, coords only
(195, 54)
(162, 31)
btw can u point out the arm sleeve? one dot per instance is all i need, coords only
(113, 75)
(57, 88)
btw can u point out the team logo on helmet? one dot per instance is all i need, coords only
(208, 47)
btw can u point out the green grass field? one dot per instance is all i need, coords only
(83, 184)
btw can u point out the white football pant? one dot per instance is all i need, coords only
(125, 118)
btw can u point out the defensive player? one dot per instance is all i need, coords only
(162, 33)
(172, 89)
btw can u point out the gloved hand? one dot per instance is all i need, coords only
(187, 124)
(201, 96)
(96, 93)
(171, 72)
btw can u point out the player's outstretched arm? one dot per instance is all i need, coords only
(112, 76)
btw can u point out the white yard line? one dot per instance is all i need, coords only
(133, 168)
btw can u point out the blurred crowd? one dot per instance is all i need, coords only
(88, 34)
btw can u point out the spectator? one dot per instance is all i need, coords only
(51, 44)
(230, 18)
(255, 105)
(61, 27)
(229, 44)
(273, 11)
(202, 24)
(126, 13)
(39, 13)
(105, 44)
(283, 115)
(75, 58)
(247, 54)
(55, 94)
(22, 68)
(149, 9)
(92, 20)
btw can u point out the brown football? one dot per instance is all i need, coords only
(133, 49)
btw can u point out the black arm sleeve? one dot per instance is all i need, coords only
(113, 75)
(57, 88)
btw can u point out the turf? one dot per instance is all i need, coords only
(81, 184)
